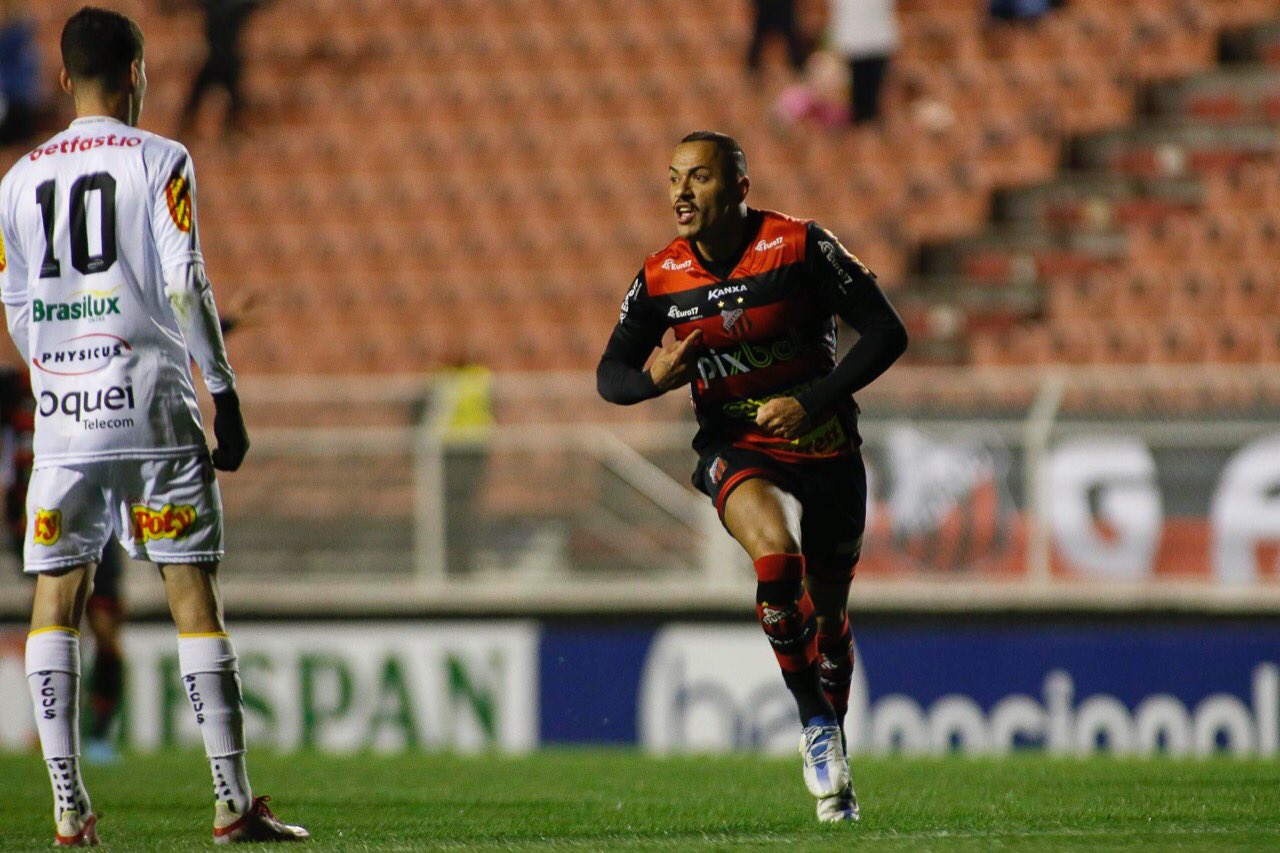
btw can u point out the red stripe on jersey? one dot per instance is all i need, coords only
(727, 329)
(779, 241)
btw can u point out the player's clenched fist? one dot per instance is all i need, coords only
(781, 416)
(674, 366)
(229, 430)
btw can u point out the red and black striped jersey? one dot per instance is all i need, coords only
(768, 320)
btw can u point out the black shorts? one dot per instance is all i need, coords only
(832, 494)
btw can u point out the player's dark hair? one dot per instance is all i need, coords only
(735, 159)
(99, 45)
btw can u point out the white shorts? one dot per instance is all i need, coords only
(161, 510)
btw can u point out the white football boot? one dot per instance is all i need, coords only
(826, 770)
(258, 824)
(76, 830)
(841, 808)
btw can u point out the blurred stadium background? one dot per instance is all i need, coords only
(440, 204)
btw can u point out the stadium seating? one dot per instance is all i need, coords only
(430, 184)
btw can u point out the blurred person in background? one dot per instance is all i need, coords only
(820, 98)
(20, 100)
(752, 298)
(775, 18)
(224, 22)
(865, 33)
(1022, 10)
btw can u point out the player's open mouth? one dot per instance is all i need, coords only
(684, 213)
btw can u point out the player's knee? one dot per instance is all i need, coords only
(772, 539)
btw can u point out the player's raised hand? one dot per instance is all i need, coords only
(781, 416)
(674, 366)
(229, 430)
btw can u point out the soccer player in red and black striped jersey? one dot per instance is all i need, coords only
(752, 297)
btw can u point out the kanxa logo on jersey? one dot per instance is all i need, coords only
(79, 404)
(93, 305)
(171, 521)
(46, 527)
(719, 293)
(81, 355)
(744, 358)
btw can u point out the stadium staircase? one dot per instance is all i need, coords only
(1156, 242)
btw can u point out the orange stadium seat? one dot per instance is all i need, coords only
(491, 172)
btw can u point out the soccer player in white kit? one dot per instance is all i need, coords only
(106, 298)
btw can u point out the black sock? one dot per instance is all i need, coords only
(810, 700)
(106, 683)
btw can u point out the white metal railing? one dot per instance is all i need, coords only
(647, 541)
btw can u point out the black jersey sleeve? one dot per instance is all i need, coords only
(850, 291)
(620, 376)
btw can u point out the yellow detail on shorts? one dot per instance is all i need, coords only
(825, 438)
(168, 522)
(201, 635)
(47, 527)
(4, 260)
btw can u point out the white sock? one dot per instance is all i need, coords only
(53, 676)
(211, 678)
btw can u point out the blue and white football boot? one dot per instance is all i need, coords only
(826, 769)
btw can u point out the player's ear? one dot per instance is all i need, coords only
(744, 187)
(64, 80)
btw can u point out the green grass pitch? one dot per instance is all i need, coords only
(619, 800)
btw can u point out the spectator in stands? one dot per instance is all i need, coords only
(865, 32)
(224, 22)
(776, 17)
(820, 98)
(1022, 10)
(20, 101)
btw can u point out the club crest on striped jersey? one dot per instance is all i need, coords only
(177, 194)
(716, 472)
(733, 316)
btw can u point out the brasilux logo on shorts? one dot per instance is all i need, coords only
(168, 522)
(47, 529)
(93, 305)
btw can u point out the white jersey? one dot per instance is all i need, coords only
(105, 294)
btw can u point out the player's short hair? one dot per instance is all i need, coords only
(735, 159)
(100, 45)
